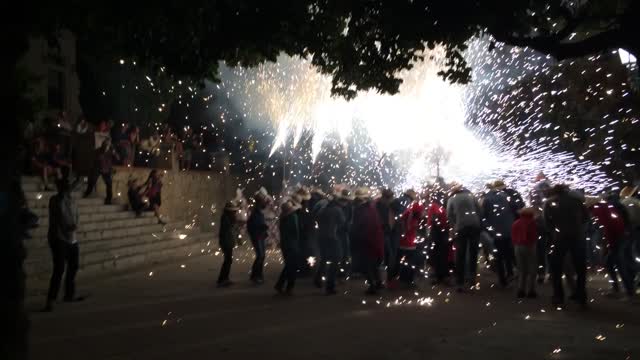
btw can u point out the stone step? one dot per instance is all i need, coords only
(101, 225)
(104, 262)
(84, 210)
(41, 199)
(86, 218)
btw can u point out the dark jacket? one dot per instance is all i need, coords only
(257, 225)
(565, 217)
(331, 225)
(289, 234)
(497, 212)
(367, 231)
(226, 230)
(63, 218)
(515, 201)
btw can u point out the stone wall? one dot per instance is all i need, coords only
(193, 196)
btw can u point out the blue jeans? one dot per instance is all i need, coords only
(466, 241)
(258, 264)
(617, 259)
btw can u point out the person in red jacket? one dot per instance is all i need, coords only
(524, 235)
(406, 260)
(439, 236)
(612, 221)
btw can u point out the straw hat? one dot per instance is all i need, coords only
(412, 194)
(344, 194)
(303, 193)
(589, 201)
(263, 195)
(231, 206)
(628, 191)
(362, 193)
(288, 207)
(499, 185)
(455, 187)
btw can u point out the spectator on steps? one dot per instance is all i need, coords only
(103, 167)
(60, 161)
(83, 126)
(63, 223)
(134, 194)
(227, 242)
(154, 193)
(41, 163)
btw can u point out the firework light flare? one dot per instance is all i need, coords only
(480, 126)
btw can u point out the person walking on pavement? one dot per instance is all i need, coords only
(227, 242)
(103, 168)
(513, 196)
(407, 253)
(258, 230)
(439, 236)
(63, 223)
(463, 213)
(537, 198)
(331, 225)
(524, 234)
(566, 217)
(498, 219)
(368, 235)
(385, 206)
(290, 247)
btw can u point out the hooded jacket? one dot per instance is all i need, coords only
(289, 234)
(498, 214)
(565, 217)
(463, 211)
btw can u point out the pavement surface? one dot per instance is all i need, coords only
(175, 312)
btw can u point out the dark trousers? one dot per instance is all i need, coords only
(440, 256)
(504, 258)
(617, 260)
(467, 241)
(64, 254)
(577, 248)
(407, 265)
(226, 265)
(390, 257)
(259, 247)
(93, 179)
(541, 248)
(289, 272)
(373, 273)
(328, 269)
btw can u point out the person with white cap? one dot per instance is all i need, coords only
(227, 241)
(258, 231)
(289, 245)
(331, 225)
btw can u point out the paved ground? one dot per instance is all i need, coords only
(175, 312)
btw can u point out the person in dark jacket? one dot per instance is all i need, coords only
(389, 212)
(537, 198)
(331, 224)
(63, 223)
(290, 247)
(258, 230)
(227, 242)
(498, 219)
(305, 220)
(513, 196)
(134, 193)
(439, 236)
(103, 168)
(368, 233)
(464, 216)
(566, 217)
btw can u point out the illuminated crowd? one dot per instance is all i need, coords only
(441, 234)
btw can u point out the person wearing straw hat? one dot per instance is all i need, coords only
(289, 245)
(306, 223)
(368, 233)
(347, 209)
(258, 231)
(515, 199)
(227, 241)
(498, 219)
(362, 199)
(389, 212)
(331, 226)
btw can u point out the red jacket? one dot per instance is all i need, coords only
(524, 231)
(437, 216)
(610, 220)
(411, 217)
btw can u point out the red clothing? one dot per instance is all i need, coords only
(411, 217)
(437, 216)
(368, 231)
(610, 220)
(524, 231)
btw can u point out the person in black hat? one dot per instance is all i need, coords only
(289, 245)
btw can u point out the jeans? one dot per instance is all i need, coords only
(390, 256)
(226, 265)
(328, 269)
(577, 248)
(466, 242)
(441, 255)
(504, 258)
(107, 178)
(617, 260)
(63, 253)
(526, 264)
(406, 264)
(289, 272)
(373, 274)
(259, 247)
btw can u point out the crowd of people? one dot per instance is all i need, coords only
(56, 146)
(440, 233)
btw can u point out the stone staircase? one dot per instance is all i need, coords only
(111, 239)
